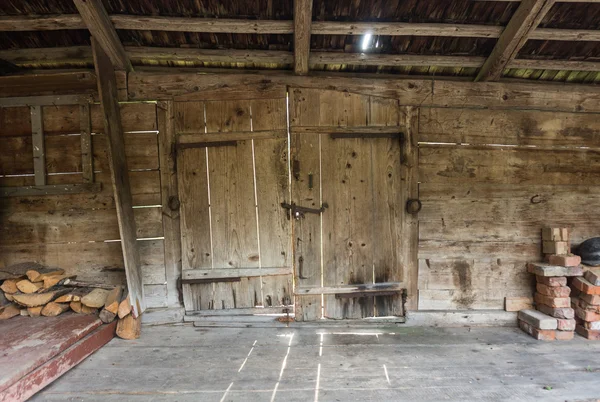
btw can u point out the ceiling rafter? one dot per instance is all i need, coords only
(527, 17)
(302, 31)
(102, 29)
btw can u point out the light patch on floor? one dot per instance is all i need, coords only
(185, 363)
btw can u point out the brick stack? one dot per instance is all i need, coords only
(587, 304)
(555, 316)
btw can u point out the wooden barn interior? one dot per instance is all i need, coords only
(283, 180)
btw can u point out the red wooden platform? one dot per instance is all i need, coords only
(36, 351)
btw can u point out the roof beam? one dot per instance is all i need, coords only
(302, 26)
(83, 54)
(224, 25)
(525, 19)
(102, 29)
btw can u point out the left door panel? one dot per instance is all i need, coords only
(233, 175)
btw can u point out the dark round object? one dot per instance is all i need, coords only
(589, 251)
(413, 206)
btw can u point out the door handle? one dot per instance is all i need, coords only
(299, 211)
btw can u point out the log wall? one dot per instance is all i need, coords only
(79, 232)
(489, 180)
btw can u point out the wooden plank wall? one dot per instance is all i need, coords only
(489, 180)
(79, 232)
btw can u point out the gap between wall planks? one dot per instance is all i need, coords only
(237, 199)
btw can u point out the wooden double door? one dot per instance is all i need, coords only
(315, 223)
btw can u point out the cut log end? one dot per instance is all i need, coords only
(129, 327)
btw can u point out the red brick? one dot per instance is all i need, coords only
(566, 313)
(589, 307)
(588, 334)
(552, 281)
(585, 286)
(587, 315)
(566, 325)
(539, 334)
(553, 291)
(590, 299)
(552, 301)
(564, 335)
(517, 303)
(593, 325)
(569, 260)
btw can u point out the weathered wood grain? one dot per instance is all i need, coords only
(452, 164)
(515, 127)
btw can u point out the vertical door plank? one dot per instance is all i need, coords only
(388, 207)
(235, 242)
(347, 226)
(304, 111)
(169, 196)
(410, 190)
(195, 224)
(272, 188)
(39, 149)
(189, 117)
(235, 238)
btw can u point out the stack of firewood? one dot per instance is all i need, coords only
(31, 289)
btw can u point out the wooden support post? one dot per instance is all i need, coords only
(39, 149)
(101, 27)
(410, 190)
(170, 200)
(302, 22)
(86, 143)
(107, 88)
(527, 17)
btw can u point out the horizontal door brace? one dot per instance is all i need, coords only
(208, 144)
(220, 273)
(337, 136)
(360, 289)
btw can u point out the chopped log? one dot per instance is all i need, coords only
(26, 286)
(3, 300)
(38, 299)
(74, 295)
(19, 270)
(24, 312)
(124, 306)
(88, 310)
(53, 309)
(9, 286)
(38, 275)
(9, 297)
(107, 316)
(76, 306)
(10, 312)
(129, 327)
(96, 298)
(35, 311)
(79, 284)
(113, 299)
(53, 280)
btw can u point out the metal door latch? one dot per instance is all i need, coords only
(298, 211)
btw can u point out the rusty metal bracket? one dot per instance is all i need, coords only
(299, 211)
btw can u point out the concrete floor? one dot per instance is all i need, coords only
(186, 363)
